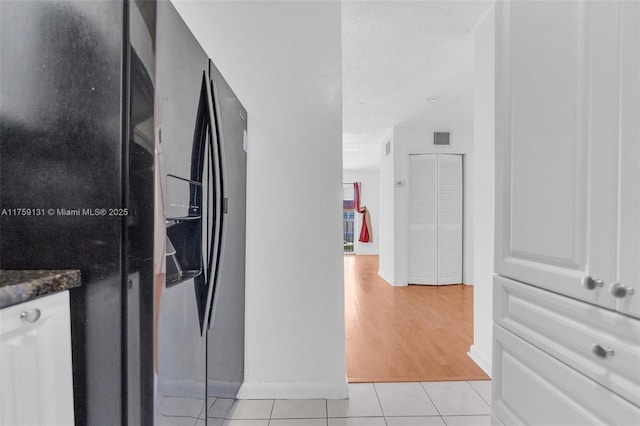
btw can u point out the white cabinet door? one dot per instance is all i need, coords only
(35, 359)
(423, 221)
(435, 219)
(629, 139)
(558, 143)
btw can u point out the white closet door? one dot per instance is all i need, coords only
(435, 219)
(449, 219)
(423, 219)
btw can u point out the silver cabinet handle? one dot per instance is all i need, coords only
(601, 352)
(590, 283)
(620, 290)
(32, 315)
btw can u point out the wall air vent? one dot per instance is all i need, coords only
(387, 148)
(441, 138)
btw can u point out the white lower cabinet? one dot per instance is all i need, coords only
(560, 361)
(36, 386)
(533, 388)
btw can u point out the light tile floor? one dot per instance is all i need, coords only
(369, 404)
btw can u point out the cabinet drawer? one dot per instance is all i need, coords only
(533, 388)
(568, 330)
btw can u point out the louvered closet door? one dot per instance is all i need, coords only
(435, 219)
(449, 219)
(423, 219)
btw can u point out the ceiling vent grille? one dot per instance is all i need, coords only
(441, 138)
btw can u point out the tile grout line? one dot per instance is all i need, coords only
(467, 415)
(202, 410)
(430, 399)
(481, 399)
(379, 403)
(273, 404)
(326, 408)
(476, 391)
(176, 417)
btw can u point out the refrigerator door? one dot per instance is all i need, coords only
(225, 339)
(186, 135)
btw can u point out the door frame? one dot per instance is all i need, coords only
(401, 214)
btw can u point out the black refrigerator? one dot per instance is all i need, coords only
(202, 157)
(132, 146)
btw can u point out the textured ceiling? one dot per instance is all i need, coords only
(395, 55)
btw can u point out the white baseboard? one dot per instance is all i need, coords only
(387, 279)
(381, 275)
(293, 391)
(481, 359)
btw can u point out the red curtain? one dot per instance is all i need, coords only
(365, 232)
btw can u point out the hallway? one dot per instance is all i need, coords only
(405, 334)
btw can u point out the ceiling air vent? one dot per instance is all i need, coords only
(387, 148)
(441, 138)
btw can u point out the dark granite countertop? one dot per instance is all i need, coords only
(22, 286)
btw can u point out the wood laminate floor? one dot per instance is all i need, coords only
(406, 334)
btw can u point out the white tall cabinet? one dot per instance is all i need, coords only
(435, 219)
(567, 248)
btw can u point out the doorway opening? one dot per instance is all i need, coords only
(411, 333)
(348, 218)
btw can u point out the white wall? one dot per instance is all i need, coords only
(387, 265)
(408, 140)
(484, 177)
(283, 60)
(369, 197)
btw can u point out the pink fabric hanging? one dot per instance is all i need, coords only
(365, 233)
